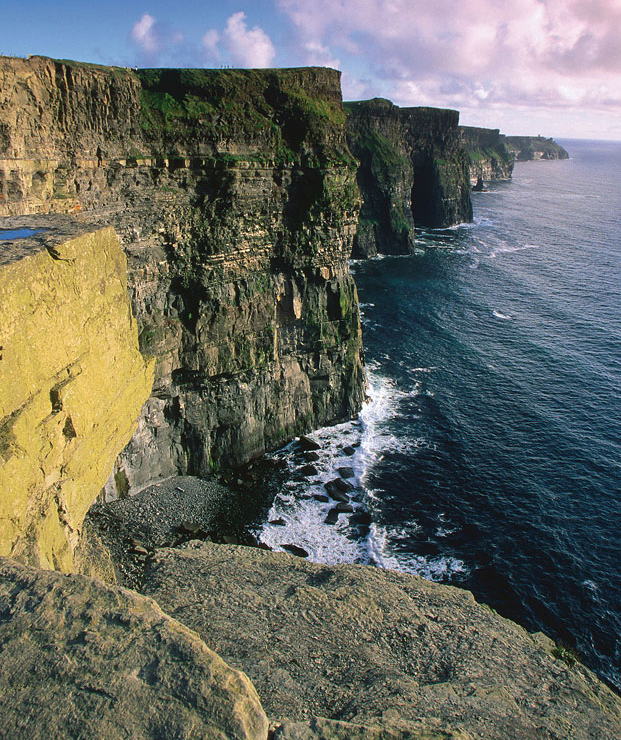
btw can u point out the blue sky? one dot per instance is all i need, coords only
(524, 66)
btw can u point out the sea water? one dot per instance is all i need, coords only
(488, 455)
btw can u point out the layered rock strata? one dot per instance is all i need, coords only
(80, 659)
(378, 649)
(72, 383)
(488, 155)
(234, 196)
(524, 148)
(413, 171)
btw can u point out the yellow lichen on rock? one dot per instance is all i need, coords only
(72, 384)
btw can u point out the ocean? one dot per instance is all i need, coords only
(488, 454)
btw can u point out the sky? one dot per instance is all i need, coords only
(549, 67)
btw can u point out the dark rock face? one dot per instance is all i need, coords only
(233, 194)
(413, 171)
(524, 148)
(385, 176)
(488, 155)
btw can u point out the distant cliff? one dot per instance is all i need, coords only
(488, 154)
(534, 147)
(234, 195)
(413, 171)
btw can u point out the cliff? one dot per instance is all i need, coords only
(488, 154)
(413, 171)
(524, 148)
(233, 194)
(72, 384)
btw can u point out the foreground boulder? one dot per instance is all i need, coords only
(370, 647)
(80, 659)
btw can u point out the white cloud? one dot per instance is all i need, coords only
(210, 42)
(248, 47)
(318, 55)
(154, 39)
(473, 54)
(144, 34)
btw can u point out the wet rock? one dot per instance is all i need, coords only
(295, 550)
(310, 456)
(361, 517)
(307, 471)
(344, 508)
(307, 444)
(321, 497)
(280, 522)
(349, 451)
(332, 517)
(338, 489)
(346, 472)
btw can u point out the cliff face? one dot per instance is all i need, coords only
(72, 383)
(413, 170)
(488, 155)
(524, 148)
(234, 196)
(385, 177)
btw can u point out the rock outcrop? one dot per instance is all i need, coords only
(413, 171)
(377, 648)
(488, 154)
(72, 383)
(524, 148)
(80, 659)
(233, 193)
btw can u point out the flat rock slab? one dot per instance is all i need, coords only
(355, 643)
(80, 659)
(319, 728)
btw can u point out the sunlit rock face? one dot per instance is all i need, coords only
(72, 384)
(234, 196)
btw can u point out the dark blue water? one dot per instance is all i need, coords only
(490, 452)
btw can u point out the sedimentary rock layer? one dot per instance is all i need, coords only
(234, 196)
(80, 659)
(488, 155)
(371, 647)
(413, 171)
(72, 384)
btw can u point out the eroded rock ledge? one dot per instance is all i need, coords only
(334, 653)
(374, 647)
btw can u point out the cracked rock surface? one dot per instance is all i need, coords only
(80, 659)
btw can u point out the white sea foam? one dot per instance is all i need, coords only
(591, 585)
(299, 518)
(436, 568)
(500, 315)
